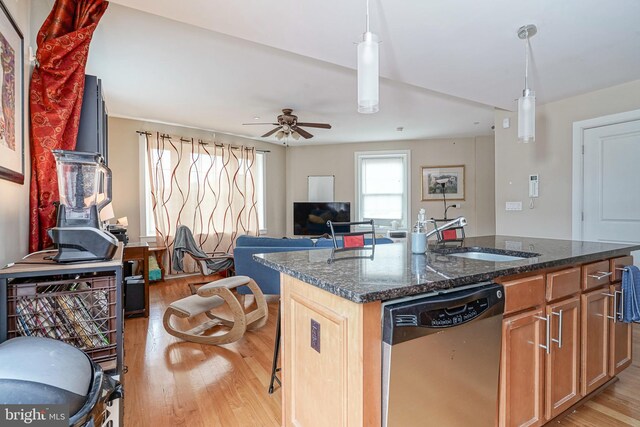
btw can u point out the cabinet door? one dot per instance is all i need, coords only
(522, 370)
(562, 367)
(595, 339)
(619, 337)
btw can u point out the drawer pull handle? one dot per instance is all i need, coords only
(559, 340)
(615, 305)
(599, 275)
(619, 315)
(547, 319)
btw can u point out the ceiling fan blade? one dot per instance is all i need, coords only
(271, 132)
(303, 133)
(316, 125)
(272, 124)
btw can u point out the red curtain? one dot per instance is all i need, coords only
(57, 86)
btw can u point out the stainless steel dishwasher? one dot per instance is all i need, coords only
(441, 358)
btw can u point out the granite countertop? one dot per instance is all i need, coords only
(395, 272)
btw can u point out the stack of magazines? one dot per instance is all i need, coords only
(80, 318)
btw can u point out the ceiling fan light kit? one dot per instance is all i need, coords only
(368, 71)
(527, 102)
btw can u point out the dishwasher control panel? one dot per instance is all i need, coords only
(425, 315)
(453, 316)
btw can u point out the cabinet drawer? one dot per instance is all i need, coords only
(563, 283)
(595, 274)
(619, 262)
(524, 293)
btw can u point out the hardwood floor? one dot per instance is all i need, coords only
(174, 383)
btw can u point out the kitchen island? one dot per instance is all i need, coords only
(331, 322)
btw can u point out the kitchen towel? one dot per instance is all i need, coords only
(631, 294)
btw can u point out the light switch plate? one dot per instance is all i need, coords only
(513, 206)
(506, 123)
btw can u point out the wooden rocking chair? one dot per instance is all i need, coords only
(210, 296)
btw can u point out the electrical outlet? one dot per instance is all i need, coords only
(513, 206)
(315, 335)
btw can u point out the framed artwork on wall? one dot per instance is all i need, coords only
(436, 179)
(11, 99)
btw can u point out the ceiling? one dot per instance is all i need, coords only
(445, 63)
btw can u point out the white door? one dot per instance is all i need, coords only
(611, 183)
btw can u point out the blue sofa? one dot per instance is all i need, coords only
(268, 279)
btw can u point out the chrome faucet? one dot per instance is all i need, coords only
(458, 222)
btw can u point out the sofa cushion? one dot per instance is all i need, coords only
(272, 242)
(267, 278)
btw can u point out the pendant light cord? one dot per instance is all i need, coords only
(526, 62)
(367, 16)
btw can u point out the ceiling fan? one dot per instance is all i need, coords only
(288, 125)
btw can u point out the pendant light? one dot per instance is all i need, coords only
(368, 71)
(527, 102)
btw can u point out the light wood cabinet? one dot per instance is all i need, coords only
(522, 369)
(331, 358)
(562, 367)
(595, 339)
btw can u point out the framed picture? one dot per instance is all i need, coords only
(11, 99)
(435, 179)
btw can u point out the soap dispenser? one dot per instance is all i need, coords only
(419, 234)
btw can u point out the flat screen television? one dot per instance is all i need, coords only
(310, 218)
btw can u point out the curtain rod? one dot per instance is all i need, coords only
(202, 142)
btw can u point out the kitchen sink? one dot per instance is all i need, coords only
(484, 256)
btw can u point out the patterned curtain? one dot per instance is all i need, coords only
(208, 187)
(57, 86)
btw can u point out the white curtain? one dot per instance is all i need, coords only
(208, 187)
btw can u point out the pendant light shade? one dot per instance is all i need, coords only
(368, 74)
(527, 117)
(527, 102)
(368, 71)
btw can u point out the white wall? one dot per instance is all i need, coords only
(551, 157)
(477, 154)
(124, 161)
(14, 205)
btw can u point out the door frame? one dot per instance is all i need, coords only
(579, 129)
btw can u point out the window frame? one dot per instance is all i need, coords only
(406, 199)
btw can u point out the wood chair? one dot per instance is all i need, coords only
(213, 295)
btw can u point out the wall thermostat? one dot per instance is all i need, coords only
(533, 185)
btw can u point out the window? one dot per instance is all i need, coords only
(147, 220)
(382, 187)
(260, 177)
(203, 163)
